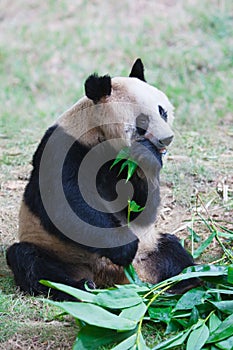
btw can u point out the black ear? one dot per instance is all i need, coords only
(137, 70)
(97, 87)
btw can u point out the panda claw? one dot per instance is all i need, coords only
(84, 284)
(90, 284)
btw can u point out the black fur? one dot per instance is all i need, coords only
(97, 87)
(138, 70)
(121, 255)
(30, 264)
(170, 259)
(163, 113)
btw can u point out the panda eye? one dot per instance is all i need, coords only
(163, 113)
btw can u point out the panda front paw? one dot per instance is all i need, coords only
(122, 255)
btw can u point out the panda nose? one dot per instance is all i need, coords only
(166, 141)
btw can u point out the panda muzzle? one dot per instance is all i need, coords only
(160, 144)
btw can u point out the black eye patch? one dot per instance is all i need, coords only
(163, 113)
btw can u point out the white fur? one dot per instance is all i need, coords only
(129, 98)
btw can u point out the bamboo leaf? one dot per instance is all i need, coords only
(225, 306)
(95, 315)
(118, 299)
(204, 245)
(126, 344)
(132, 275)
(226, 344)
(135, 287)
(174, 341)
(91, 337)
(198, 338)
(220, 291)
(193, 317)
(123, 167)
(214, 322)
(122, 155)
(134, 313)
(194, 235)
(190, 299)
(224, 330)
(77, 293)
(230, 275)
(135, 207)
(132, 166)
(160, 314)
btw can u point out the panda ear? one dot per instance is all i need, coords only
(97, 87)
(137, 70)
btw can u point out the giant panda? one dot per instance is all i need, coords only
(73, 226)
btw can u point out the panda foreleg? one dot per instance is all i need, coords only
(168, 259)
(31, 263)
(172, 259)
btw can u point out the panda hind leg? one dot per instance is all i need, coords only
(30, 263)
(170, 259)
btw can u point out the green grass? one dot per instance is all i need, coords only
(47, 49)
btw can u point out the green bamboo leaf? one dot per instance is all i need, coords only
(134, 313)
(193, 317)
(206, 223)
(77, 293)
(135, 287)
(126, 344)
(204, 245)
(194, 235)
(230, 275)
(220, 291)
(132, 166)
(224, 330)
(91, 337)
(211, 270)
(198, 338)
(225, 306)
(226, 229)
(123, 166)
(116, 161)
(190, 299)
(200, 271)
(214, 322)
(174, 341)
(122, 155)
(118, 299)
(135, 207)
(226, 344)
(132, 276)
(160, 314)
(173, 327)
(225, 235)
(95, 315)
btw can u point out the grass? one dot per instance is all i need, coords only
(47, 49)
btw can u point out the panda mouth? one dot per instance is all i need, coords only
(155, 149)
(163, 151)
(157, 144)
(159, 152)
(160, 149)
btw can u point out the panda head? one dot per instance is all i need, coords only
(125, 108)
(130, 108)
